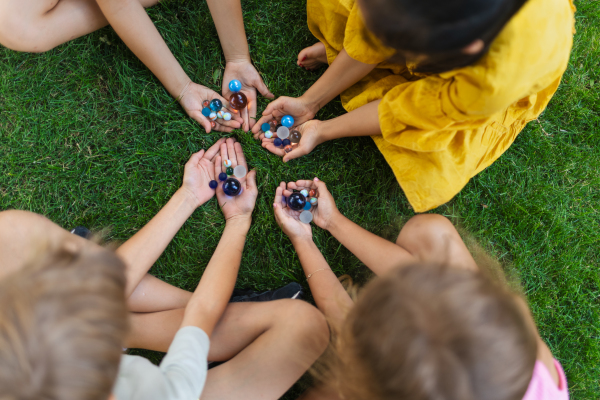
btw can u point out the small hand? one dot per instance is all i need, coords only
(325, 210)
(245, 72)
(243, 204)
(288, 219)
(310, 139)
(298, 108)
(199, 171)
(191, 100)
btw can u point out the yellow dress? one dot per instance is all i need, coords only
(439, 130)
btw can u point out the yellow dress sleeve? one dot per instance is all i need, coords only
(360, 43)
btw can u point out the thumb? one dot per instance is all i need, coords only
(196, 157)
(199, 118)
(295, 153)
(321, 186)
(251, 181)
(263, 89)
(275, 105)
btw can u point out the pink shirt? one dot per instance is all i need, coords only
(542, 386)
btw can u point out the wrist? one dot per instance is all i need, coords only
(238, 58)
(187, 197)
(301, 241)
(334, 223)
(239, 221)
(310, 102)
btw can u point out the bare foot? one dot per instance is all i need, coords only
(313, 57)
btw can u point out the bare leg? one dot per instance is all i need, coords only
(313, 57)
(38, 26)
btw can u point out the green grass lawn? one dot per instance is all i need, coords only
(88, 136)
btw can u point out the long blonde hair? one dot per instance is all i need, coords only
(63, 322)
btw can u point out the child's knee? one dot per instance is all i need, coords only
(307, 322)
(425, 235)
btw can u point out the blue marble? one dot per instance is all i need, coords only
(307, 206)
(287, 121)
(222, 176)
(277, 142)
(216, 105)
(265, 127)
(296, 201)
(206, 111)
(286, 142)
(232, 187)
(235, 85)
(213, 184)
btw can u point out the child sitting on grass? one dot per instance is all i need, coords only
(66, 314)
(432, 325)
(443, 87)
(38, 26)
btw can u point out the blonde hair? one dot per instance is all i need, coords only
(63, 322)
(427, 332)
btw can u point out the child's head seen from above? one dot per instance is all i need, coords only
(440, 34)
(63, 322)
(427, 332)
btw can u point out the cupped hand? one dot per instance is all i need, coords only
(199, 171)
(240, 206)
(311, 138)
(251, 81)
(191, 100)
(298, 108)
(288, 219)
(325, 210)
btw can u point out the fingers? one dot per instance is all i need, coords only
(239, 155)
(277, 105)
(231, 153)
(195, 158)
(257, 127)
(268, 144)
(259, 84)
(321, 187)
(246, 115)
(224, 156)
(214, 149)
(251, 181)
(217, 167)
(295, 153)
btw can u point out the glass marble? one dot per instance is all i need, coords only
(213, 184)
(306, 217)
(274, 125)
(232, 187)
(304, 192)
(212, 116)
(296, 201)
(227, 163)
(307, 206)
(220, 114)
(205, 103)
(229, 171)
(216, 105)
(227, 116)
(312, 193)
(238, 101)
(295, 136)
(222, 176)
(240, 171)
(313, 201)
(268, 134)
(277, 142)
(206, 111)
(235, 86)
(287, 121)
(265, 127)
(286, 142)
(288, 148)
(213, 124)
(283, 132)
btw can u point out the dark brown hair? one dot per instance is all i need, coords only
(426, 332)
(63, 322)
(438, 29)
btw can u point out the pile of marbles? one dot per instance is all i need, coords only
(283, 136)
(303, 201)
(214, 109)
(231, 186)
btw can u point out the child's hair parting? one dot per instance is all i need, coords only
(426, 332)
(63, 322)
(439, 29)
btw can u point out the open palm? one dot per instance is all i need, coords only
(288, 219)
(199, 171)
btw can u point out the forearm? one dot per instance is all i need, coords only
(207, 304)
(341, 74)
(326, 289)
(364, 121)
(378, 254)
(228, 19)
(129, 19)
(143, 249)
